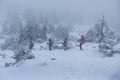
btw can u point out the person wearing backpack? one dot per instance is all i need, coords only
(65, 44)
(50, 43)
(82, 41)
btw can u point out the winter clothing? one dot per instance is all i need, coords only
(31, 45)
(82, 41)
(65, 44)
(50, 43)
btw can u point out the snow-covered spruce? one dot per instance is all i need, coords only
(109, 47)
(100, 32)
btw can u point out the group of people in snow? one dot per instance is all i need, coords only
(65, 43)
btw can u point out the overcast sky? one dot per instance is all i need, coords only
(88, 11)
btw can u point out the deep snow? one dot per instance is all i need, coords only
(74, 64)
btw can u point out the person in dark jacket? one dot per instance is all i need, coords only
(31, 45)
(65, 44)
(50, 43)
(82, 41)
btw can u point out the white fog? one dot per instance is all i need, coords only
(59, 39)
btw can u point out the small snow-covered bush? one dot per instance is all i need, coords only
(3, 56)
(108, 47)
(9, 44)
(9, 64)
(116, 48)
(21, 55)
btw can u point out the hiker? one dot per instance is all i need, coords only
(50, 43)
(65, 44)
(31, 45)
(82, 41)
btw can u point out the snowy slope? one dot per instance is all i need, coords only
(64, 65)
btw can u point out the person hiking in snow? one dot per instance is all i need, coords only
(82, 41)
(65, 44)
(31, 45)
(50, 43)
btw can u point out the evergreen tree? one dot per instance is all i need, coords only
(44, 33)
(100, 32)
(12, 24)
(61, 32)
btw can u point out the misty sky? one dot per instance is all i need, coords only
(87, 11)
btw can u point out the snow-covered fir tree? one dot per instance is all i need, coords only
(100, 32)
(12, 24)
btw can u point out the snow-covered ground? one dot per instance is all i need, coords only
(74, 64)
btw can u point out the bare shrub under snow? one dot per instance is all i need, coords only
(21, 55)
